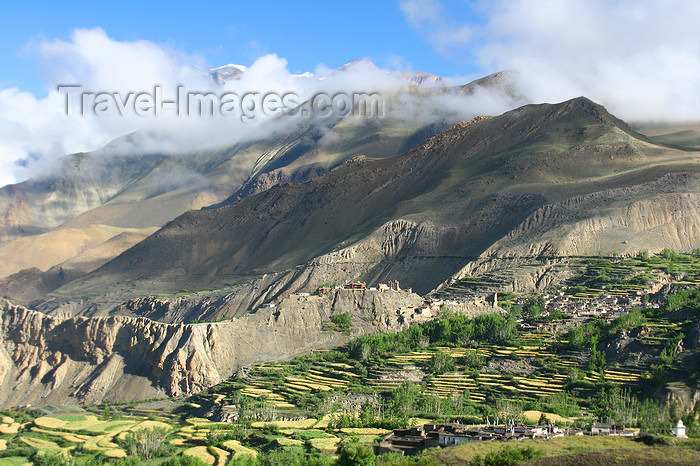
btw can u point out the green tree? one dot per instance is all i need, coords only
(106, 413)
(440, 363)
(354, 453)
(535, 306)
(147, 443)
(494, 328)
(597, 362)
(342, 322)
(669, 254)
(403, 400)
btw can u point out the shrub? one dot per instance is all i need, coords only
(45, 458)
(342, 322)
(472, 360)
(507, 456)
(182, 460)
(147, 443)
(131, 461)
(18, 450)
(353, 453)
(534, 306)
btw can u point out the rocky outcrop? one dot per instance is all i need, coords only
(681, 394)
(663, 213)
(48, 359)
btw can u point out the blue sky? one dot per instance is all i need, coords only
(641, 60)
(305, 33)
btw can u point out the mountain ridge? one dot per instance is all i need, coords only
(489, 168)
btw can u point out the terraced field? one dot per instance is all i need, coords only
(279, 384)
(66, 433)
(93, 437)
(619, 274)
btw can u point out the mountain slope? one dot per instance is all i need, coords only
(430, 210)
(114, 187)
(544, 180)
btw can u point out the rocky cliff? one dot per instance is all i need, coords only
(50, 359)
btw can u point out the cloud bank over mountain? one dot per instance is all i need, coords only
(35, 131)
(639, 59)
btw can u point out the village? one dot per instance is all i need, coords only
(571, 309)
(562, 309)
(605, 305)
(413, 440)
(432, 304)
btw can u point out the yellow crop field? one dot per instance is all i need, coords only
(10, 428)
(364, 431)
(115, 453)
(89, 422)
(198, 421)
(289, 442)
(221, 456)
(296, 386)
(330, 372)
(300, 424)
(238, 449)
(306, 384)
(91, 444)
(327, 380)
(534, 416)
(151, 425)
(50, 422)
(340, 365)
(201, 453)
(329, 444)
(40, 444)
(106, 442)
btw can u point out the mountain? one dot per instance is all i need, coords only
(227, 73)
(684, 134)
(383, 202)
(542, 180)
(233, 72)
(411, 78)
(119, 189)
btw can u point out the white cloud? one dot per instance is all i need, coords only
(36, 131)
(640, 59)
(430, 19)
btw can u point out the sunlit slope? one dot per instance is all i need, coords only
(459, 192)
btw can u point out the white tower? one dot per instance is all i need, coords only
(679, 430)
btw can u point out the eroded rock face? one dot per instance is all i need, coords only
(681, 394)
(48, 359)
